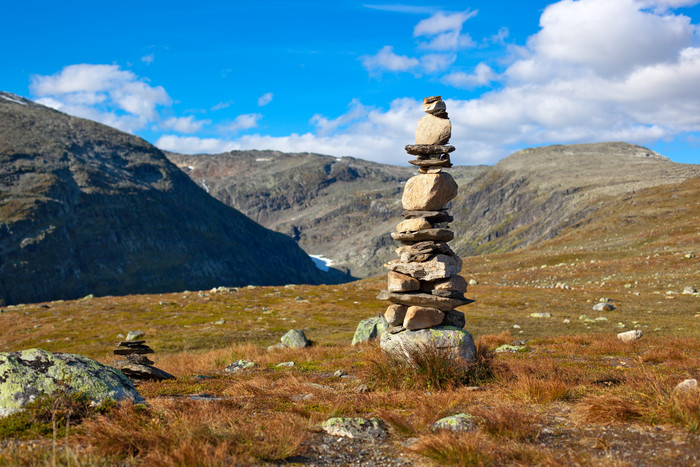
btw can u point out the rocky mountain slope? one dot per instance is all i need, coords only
(88, 209)
(341, 208)
(535, 193)
(345, 208)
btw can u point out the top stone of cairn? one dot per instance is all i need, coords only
(435, 127)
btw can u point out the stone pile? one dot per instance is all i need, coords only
(424, 284)
(136, 365)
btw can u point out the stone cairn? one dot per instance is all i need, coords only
(136, 365)
(424, 284)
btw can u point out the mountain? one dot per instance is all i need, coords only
(535, 193)
(341, 208)
(345, 208)
(85, 208)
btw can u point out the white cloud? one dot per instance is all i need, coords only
(442, 22)
(609, 37)
(104, 93)
(221, 105)
(184, 124)
(242, 122)
(147, 59)
(444, 31)
(482, 75)
(387, 60)
(434, 63)
(265, 99)
(194, 145)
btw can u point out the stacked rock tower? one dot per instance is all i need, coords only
(424, 284)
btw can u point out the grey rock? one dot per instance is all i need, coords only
(395, 314)
(454, 318)
(457, 422)
(240, 365)
(540, 315)
(439, 267)
(433, 130)
(28, 374)
(630, 336)
(509, 348)
(362, 389)
(296, 339)
(421, 317)
(369, 329)
(339, 373)
(424, 163)
(355, 427)
(134, 335)
(434, 217)
(688, 385)
(285, 365)
(435, 235)
(429, 149)
(423, 299)
(457, 342)
(141, 372)
(397, 282)
(603, 306)
(422, 251)
(689, 290)
(428, 192)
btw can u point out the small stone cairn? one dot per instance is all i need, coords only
(136, 365)
(424, 284)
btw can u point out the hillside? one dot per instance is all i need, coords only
(535, 193)
(345, 208)
(572, 393)
(86, 209)
(341, 208)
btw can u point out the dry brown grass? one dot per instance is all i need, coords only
(174, 432)
(429, 367)
(607, 409)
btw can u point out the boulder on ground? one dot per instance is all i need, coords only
(455, 341)
(603, 306)
(296, 339)
(355, 427)
(630, 336)
(369, 329)
(28, 374)
(457, 422)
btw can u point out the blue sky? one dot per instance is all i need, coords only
(346, 78)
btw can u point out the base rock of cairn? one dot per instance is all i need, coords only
(423, 284)
(136, 366)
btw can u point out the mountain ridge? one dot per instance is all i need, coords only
(529, 196)
(85, 208)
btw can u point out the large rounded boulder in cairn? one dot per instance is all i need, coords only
(28, 374)
(456, 342)
(424, 285)
(429, 192)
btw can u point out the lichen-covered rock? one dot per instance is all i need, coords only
(28, 374)
(296, 339)
(457, 342)
(457, 422)
(369, 329)
(240, 365)
(355, 427)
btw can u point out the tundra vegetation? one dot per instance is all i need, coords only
(570, 392)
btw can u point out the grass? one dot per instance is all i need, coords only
(574, 395)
